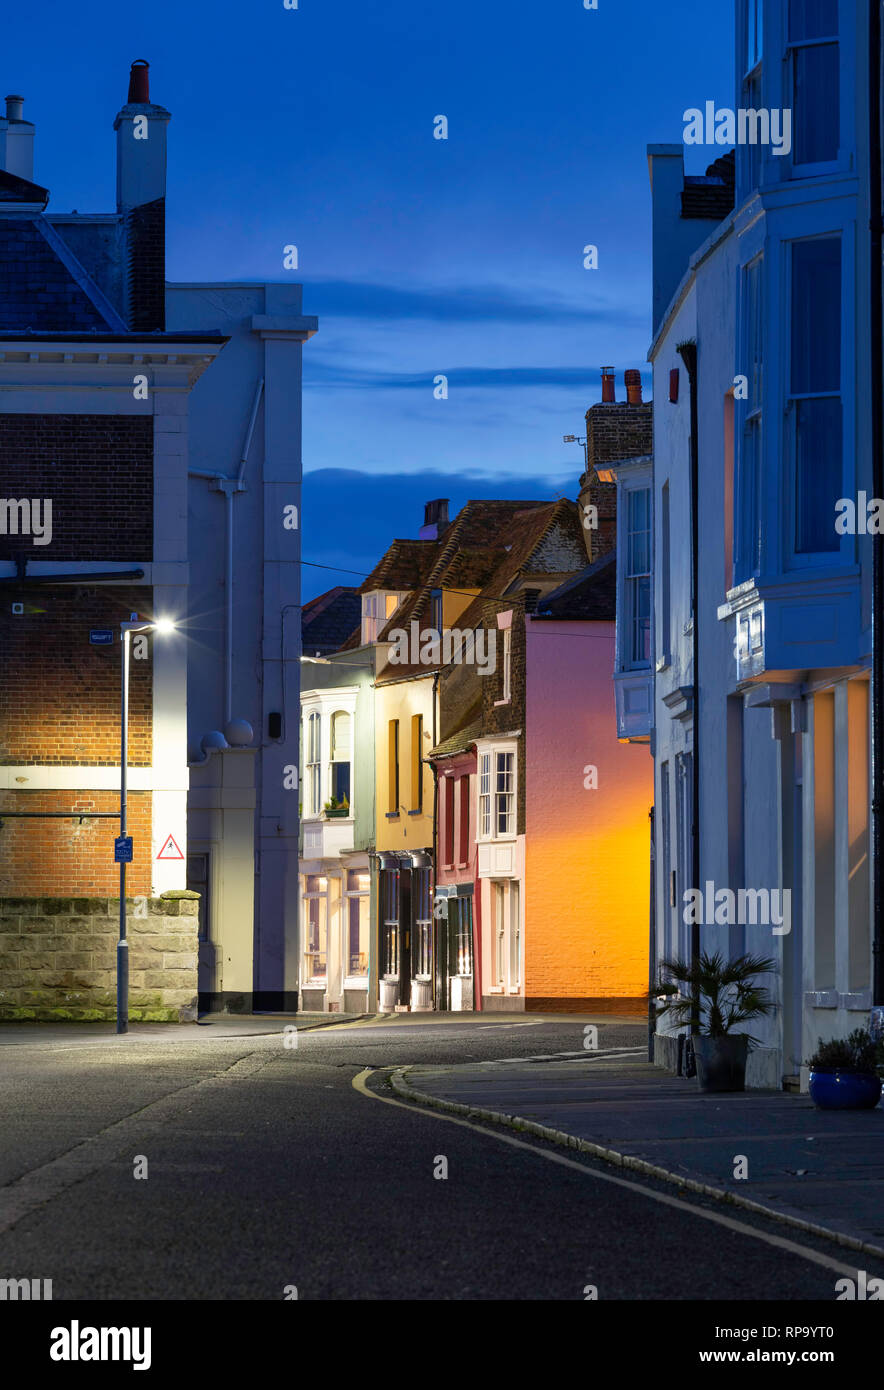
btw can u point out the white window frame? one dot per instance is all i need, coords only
(791, 48)
(331, 748)
(352, 981)
(491, 797)
(308, 896)
(631, 584)
(325, 703)
(794, 560)
(378, 607)
(312, 763)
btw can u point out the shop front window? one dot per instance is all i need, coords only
(358, 921)
(315, 927)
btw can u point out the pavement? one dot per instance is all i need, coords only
(221, 1025)
(819, 1170)
(237, 1167)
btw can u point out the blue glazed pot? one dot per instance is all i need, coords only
(845, 1090)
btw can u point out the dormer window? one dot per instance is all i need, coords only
(377, 610)
(436, 610)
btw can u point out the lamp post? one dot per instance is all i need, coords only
(126, 630)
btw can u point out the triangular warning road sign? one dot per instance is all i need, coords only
(170, 850)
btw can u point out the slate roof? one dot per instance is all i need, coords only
(589, 596)
(458, 742)
(710, 196)
(37, 291)
(328, 620)
(14, 189)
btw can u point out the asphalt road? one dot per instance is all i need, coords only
(267, 1168)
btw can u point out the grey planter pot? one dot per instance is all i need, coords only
(721, 1062)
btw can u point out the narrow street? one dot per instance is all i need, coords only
(267, 1167)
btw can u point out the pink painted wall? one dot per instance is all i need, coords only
(587, 852)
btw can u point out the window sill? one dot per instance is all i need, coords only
(418, 812)
(392, 815)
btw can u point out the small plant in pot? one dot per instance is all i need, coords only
(335, 808)
(844, 1072)
(728, 997)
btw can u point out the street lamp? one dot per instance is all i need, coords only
(124, 850)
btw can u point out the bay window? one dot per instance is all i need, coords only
(814, 395)
(313, 767)
(637, 578)
(814, 57)
(748, 517)
(497, 794)
(341, 752)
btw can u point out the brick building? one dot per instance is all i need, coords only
(119, 465)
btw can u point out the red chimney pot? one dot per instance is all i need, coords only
(633, 381)
(139, 82)
(608, 397)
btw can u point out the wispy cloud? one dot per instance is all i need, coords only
(455, 304)
(318, 372)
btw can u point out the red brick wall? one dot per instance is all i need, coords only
(60, 696)
(61, 858)
(98, 472)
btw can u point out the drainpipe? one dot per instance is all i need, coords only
(876, 359)
(436, 924)
(652, 945)
(230, 486)
(688, 354)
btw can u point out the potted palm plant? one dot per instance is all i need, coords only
(725, 996)
(844, 1072)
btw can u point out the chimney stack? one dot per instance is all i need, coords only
(435, 518)
(141, 199)
(16, 141)
(608, 397)
(633, 381)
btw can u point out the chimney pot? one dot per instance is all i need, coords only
(139, 82)
(435, 518)
(633, 381)
(14, 107)
(608, 397)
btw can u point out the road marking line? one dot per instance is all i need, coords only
(780, 1242)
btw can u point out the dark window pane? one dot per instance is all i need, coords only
(341, 781)
(812, 19)
(815, 104)
(818, 474)
(816, 316)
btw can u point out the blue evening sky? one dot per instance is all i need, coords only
(421, 257)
